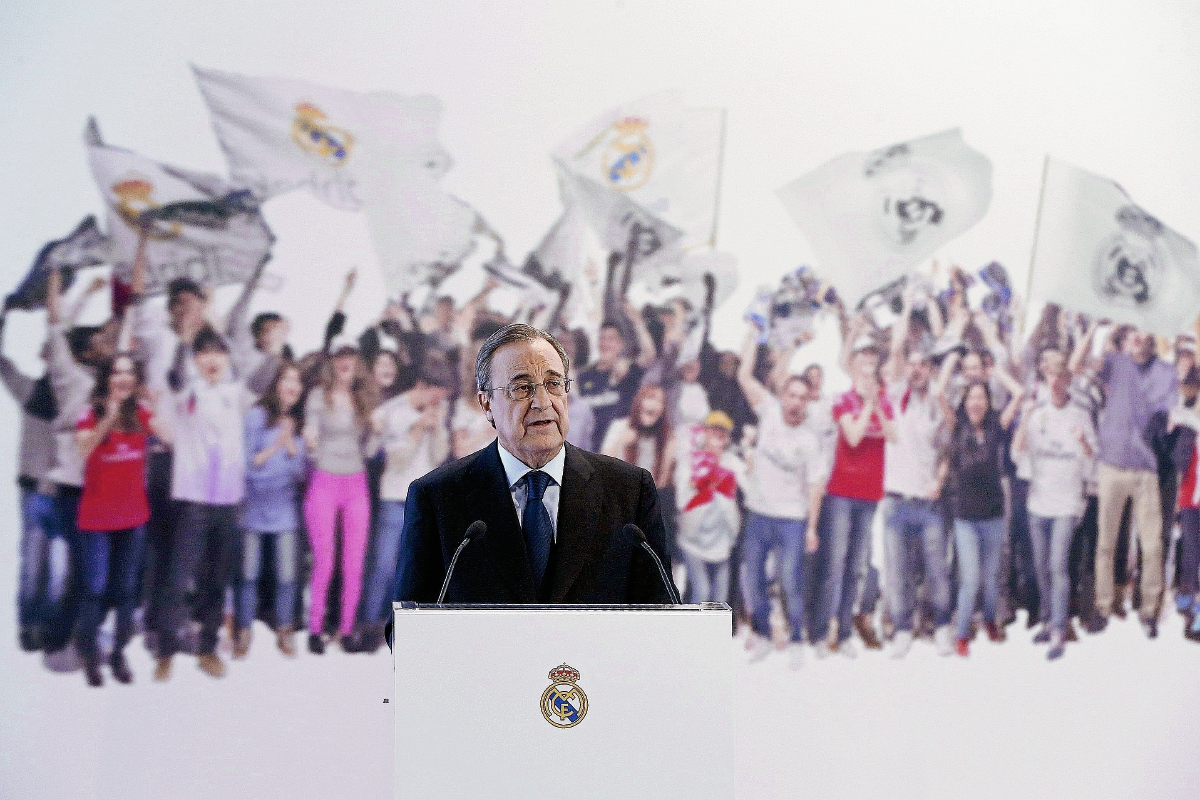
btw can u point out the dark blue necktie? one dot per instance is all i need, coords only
(535, 521)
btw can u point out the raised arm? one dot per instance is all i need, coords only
(893, 369)
(645, 342)
(1081, 355)
(751, 387)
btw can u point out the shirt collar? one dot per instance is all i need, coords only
(515, 469)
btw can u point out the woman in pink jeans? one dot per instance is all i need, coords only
(337, 422)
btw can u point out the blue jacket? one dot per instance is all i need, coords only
(271, 489)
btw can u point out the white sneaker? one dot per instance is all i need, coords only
(759, 647)
(943, 640)
(795, 652)
(901, 642)
(821, 649)
(848, 649)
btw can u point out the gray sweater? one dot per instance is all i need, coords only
(37, 439)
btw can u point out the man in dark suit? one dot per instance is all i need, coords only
(554, 513)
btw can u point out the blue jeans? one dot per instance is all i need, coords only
(708, 582)
(762, 534)
(111, 563)
(43, 551)
(1052, 537)
(381, 585)
(62, 617)
(909, 521)
(845, 525)
(285, 577)
(980, 544)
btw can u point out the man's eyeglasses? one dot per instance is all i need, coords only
(523, 390)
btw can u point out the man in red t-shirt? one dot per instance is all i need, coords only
(865, 422)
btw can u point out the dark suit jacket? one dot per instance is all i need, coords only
(592, 561)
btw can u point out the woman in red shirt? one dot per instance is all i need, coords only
(112, 510)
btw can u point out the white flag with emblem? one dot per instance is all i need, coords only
(200, 226)
(871, 216)
(663, 155)
(1100, 253)
(376, 152)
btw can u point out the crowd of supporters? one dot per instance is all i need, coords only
(196, 478)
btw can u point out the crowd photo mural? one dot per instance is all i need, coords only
(885, 448)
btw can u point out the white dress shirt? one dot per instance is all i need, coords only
(515, 470)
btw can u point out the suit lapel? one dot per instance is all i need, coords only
(504, 541)
(578, 506)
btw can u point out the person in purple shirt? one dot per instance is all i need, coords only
(1137, 385)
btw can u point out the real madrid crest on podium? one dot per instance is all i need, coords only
(564, 705)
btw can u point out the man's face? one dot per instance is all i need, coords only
(1051, 364)
(729, 364)
(716, 439)
(534, 429)
(186, 310)
(793, 401)
(212, 365)
(610, 345)
(1140, 346)
(272, 336)
(919, 372)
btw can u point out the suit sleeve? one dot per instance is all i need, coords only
(420, 568)
(645, 584)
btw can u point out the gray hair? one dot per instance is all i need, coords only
(515, 332)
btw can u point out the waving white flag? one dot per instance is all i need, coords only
(665, 156)
(1100, 253)
(871, 216)
(200, 227)
(376, 152)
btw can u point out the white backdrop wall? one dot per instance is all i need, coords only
(1112, 87)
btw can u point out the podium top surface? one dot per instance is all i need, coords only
(490, 607)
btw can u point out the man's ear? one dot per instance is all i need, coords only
(485, 402)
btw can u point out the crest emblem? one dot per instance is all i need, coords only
(1128, 267)
(135, 196)
(907, 191)
(628, 159)
(564, 704)
(317, 137)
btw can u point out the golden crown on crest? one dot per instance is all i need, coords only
(564, 674)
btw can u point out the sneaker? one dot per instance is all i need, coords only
(31, 639)
(1096, 623)
(1072, 636)
(1193, 631)
(241, 642)
(316, 645)
(120, 667)
(943, 640)
(1058, 646)
(821, 649)
(759, 647)
(795, 654)
(285, 640)
(847, 648)
(212, 665)
(994, 633)
(1183, 603)
(1150, 626)
(901, 643)
(963, 647)
(866, 631)
(91, 670)
(162, 669)
(1042, 636)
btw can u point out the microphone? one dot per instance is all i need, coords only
(475, 532)
(635, 533)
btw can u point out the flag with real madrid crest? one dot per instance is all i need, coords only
(1100, 253)
(869, 217)
(376, 152)
(662, 154)
(198, 225)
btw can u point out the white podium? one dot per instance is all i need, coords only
(564, 702)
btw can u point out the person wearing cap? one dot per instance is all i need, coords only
(706, 482)
(783, 493)
(412, 434)
(208, 483)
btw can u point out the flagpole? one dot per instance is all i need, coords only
(1037, 230)
(720, 174)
